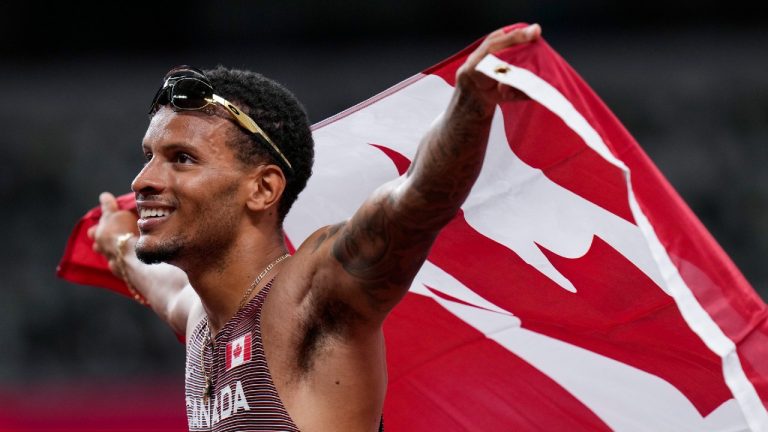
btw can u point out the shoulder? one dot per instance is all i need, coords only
(320, 238)
(311, 275)
(315, 286)
(316, 250)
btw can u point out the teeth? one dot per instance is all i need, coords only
(155, 212)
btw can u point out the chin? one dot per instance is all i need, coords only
(155, 254)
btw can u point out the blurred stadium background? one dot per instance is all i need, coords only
(688, 81)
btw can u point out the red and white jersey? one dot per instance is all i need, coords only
(244, 396)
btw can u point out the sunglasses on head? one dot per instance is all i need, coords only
(188, 89)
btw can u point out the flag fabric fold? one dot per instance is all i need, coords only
(575, 290)
(80, 264)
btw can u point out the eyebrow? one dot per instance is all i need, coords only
(172, 147)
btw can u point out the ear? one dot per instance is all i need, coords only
(267, 186)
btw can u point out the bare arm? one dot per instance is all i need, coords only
(382, 246)
(165, 287)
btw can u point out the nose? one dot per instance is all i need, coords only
(149, 181)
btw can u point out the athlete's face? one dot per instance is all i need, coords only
(190, 193)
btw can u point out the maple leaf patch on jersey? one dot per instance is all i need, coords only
(239, 351)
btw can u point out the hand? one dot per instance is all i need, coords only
(486, 89)
(113, 223)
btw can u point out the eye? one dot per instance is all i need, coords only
(147, 157)
(183, 158)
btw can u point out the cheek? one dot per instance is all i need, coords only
(214, 194)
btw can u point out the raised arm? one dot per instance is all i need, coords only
(383, 245)
(163, 286)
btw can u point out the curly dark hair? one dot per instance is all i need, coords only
(280, 114)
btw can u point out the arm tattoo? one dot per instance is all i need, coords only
(329, 232)
(387, 240)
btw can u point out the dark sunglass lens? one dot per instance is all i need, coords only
(190, 93)
(161, 98)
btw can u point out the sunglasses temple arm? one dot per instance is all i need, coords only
(274, 146)
(251, 126)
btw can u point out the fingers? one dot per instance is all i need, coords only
(108, 202)
(533, 30)
(514, 37)
(97, 248)
(108, 205)
(504, 38)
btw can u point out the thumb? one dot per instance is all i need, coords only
(108, 202)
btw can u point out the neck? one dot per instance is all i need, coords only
(222, 284)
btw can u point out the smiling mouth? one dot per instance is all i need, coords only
(148, 213)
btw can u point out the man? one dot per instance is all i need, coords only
(277, 342)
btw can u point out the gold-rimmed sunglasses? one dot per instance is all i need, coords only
(187, 88)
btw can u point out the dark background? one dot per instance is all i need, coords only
(689, 81)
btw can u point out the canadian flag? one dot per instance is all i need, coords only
(574, 291)
(239, 351)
